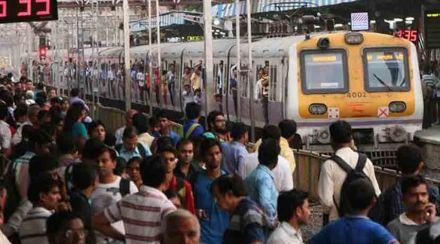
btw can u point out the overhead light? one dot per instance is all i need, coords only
(373, 22)
(317, 27)
(409, 18)
(216, 21)
(398, 20)
(339, 25)
(408, 22)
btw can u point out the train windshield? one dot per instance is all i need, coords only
(386, 69)
(324, 71)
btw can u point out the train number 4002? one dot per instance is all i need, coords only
(356, 94)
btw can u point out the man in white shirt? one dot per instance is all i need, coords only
(332, 176)
(293, 213)
(5, 132)
(128, 122)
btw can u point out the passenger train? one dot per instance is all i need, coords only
(369, 79)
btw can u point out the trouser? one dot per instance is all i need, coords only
(265, 104)
(171, 91)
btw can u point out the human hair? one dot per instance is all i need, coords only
(74, 92)
(410, 182)
(409, 158)
(192, 110)
(40, 137)
(164, 142)
(167, 148)
(93, 125)
(153, 121)
(183, 142)
(111, 151)
(83, 175)
(20, 111)
(212, 116)
(268, 152)
(238, 130)
(153, 171)
(359, 195)
(271, 131)
(129, 132)
(207, 144)
(140, 122)
(175, 217)
(135, 160)
(55, 114)
(92, 148)
(59, 221)
(287, 128)
(340, 132)
(33, 110)
(288, 202)
(72, 116)
(229, 183)
(42, 183)
(42, 163)
(3, 111)
(163, 114)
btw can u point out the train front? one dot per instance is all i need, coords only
(368, 79)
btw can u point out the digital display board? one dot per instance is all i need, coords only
(410, 35)
(28, 10)
(432, 28)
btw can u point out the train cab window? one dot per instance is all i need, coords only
(386, 69)
(324, 71)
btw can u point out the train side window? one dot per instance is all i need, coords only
(244, 80)
(386, 69)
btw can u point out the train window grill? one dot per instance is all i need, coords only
(273, 85)
(244, 81)
(178, 75)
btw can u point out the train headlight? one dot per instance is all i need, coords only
(317, 108)
(323, 43)
(397, 107)
(354, 38)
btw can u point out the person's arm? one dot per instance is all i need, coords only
(265, 197)
(372, 176)
(14, 222)
(325, 186)
(6, 142)
(241, 161)
(103, 225)
(287, 177)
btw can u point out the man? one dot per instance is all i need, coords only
(356, 227)
(142, 212)
(390, 205)
(247, 219)
(131, 146)
(216, 122)
(180, 227)
(5, 131)
(293, 213)
(74, 98)
(196, 78)
(110, 189)
(140, 122)
(283, 177)
(32, 119)
(191, 128)
(165, 126)
(236, 152)
(128, 122)
(260, 183)
(67, 228)
(332, 176)
(419, 214)
(185, 167)
(213, 220)
(44, 194)
(288, 132)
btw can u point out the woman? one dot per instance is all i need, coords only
(73, 123)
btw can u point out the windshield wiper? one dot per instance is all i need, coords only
(383, 82)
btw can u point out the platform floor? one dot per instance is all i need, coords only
(429, 135)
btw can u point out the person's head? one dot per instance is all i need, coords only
(130, 138)
(228, 191)
(96, 129)
(181, 227)
(74, 92)
(239, 132)
(20, 113)
(168, 155)
(44, 191)
(134, 169)
(43, 164)
(66, 227)
(33, 111)
(84, 176)
(164, 120)
(52, 93)
(154, 124)
(65, 105)
(271, 131)
(3, 111)
(129, 117)
(340, 134)
(360, 197)
(92, 151)
(140, 122)
(216, 121)
(268, 153)
(211, 153)
(287, 128)
(155, 173)
(29, 86)
(76, 113)
(414, 193)
(185, 151)
(409, 159)
(66, 144)
(106, 162)
(40, 141)
(192, 110)
(293, 206)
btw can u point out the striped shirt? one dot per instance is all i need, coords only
(33, 227)
(142, 214)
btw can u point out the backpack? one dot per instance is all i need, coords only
(124, 187)
(139, 146)
(191, 129)
(352, 174)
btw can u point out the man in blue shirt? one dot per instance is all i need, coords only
(260, 183)
(355, 226)
(213, 220)
(191, 128)
(236, 154)
(165, 126)
(131, 147)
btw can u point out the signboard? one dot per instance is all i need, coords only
(28, 10)
(359, 21)
(432, 28)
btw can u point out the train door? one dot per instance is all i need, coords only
(170, 86)
(220, 77)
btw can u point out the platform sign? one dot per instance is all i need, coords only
(432, 27)
(28, 10)
(359, 21)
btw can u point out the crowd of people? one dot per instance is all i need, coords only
(68, 179)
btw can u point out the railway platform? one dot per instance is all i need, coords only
(429, 140)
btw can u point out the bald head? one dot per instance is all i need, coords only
(129, 116)
(181, 227)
